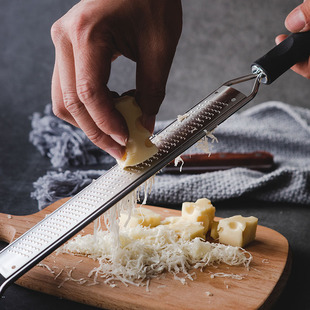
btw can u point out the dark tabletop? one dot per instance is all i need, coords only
(26, 62)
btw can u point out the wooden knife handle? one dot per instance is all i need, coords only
(199, 163)
(7, 230)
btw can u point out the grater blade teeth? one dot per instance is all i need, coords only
(46, 236)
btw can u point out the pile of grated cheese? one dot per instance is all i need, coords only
(143, 253)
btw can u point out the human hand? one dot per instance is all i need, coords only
(299, 21)
(93, 34)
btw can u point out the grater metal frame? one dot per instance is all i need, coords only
(50, 233)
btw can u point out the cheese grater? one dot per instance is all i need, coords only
(46, 236)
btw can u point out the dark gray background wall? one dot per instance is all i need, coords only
(220, 40)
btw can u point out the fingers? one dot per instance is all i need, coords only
(302, 68)
(150, 86)
(299, 19)
(156, 49)
(92, 73)
(88, 38)
(153, 67)
(77, 100)
(57, 99)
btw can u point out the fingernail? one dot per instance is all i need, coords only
(280, 38)
(116, 153)
(120, 140)
(148, 121)
(296, 20)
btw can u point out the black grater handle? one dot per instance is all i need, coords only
(295, 48)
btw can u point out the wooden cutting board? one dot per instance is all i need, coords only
(259, 288)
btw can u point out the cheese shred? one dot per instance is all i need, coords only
(125, 205)
(178, 160)
(203, 144)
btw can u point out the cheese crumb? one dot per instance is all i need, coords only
(181, 118)
(227, 275)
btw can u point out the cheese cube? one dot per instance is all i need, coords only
(199, 211)
(237, 230)
(139, 147)
(141, 216)
(183, 228)
(214, 233)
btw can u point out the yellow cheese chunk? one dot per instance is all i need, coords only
(185, 229)
(237, 230)
(199, 211)
(139, 147)
(141, 216)
(214, 233)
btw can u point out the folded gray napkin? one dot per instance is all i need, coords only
(276, 127)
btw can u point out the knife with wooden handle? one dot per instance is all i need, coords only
(200, 163)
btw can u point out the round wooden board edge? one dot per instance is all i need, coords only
(282, 281)
(281, 284)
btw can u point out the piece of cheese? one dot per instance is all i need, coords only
(141, 216)
(199, 249)
(185, 229)
(214, 233)
(200, 211)
(139, 147)
(237, 230)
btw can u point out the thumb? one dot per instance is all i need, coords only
(299, 19)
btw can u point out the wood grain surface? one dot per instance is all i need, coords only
(259, 288)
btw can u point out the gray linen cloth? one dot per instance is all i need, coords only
(276, 127)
